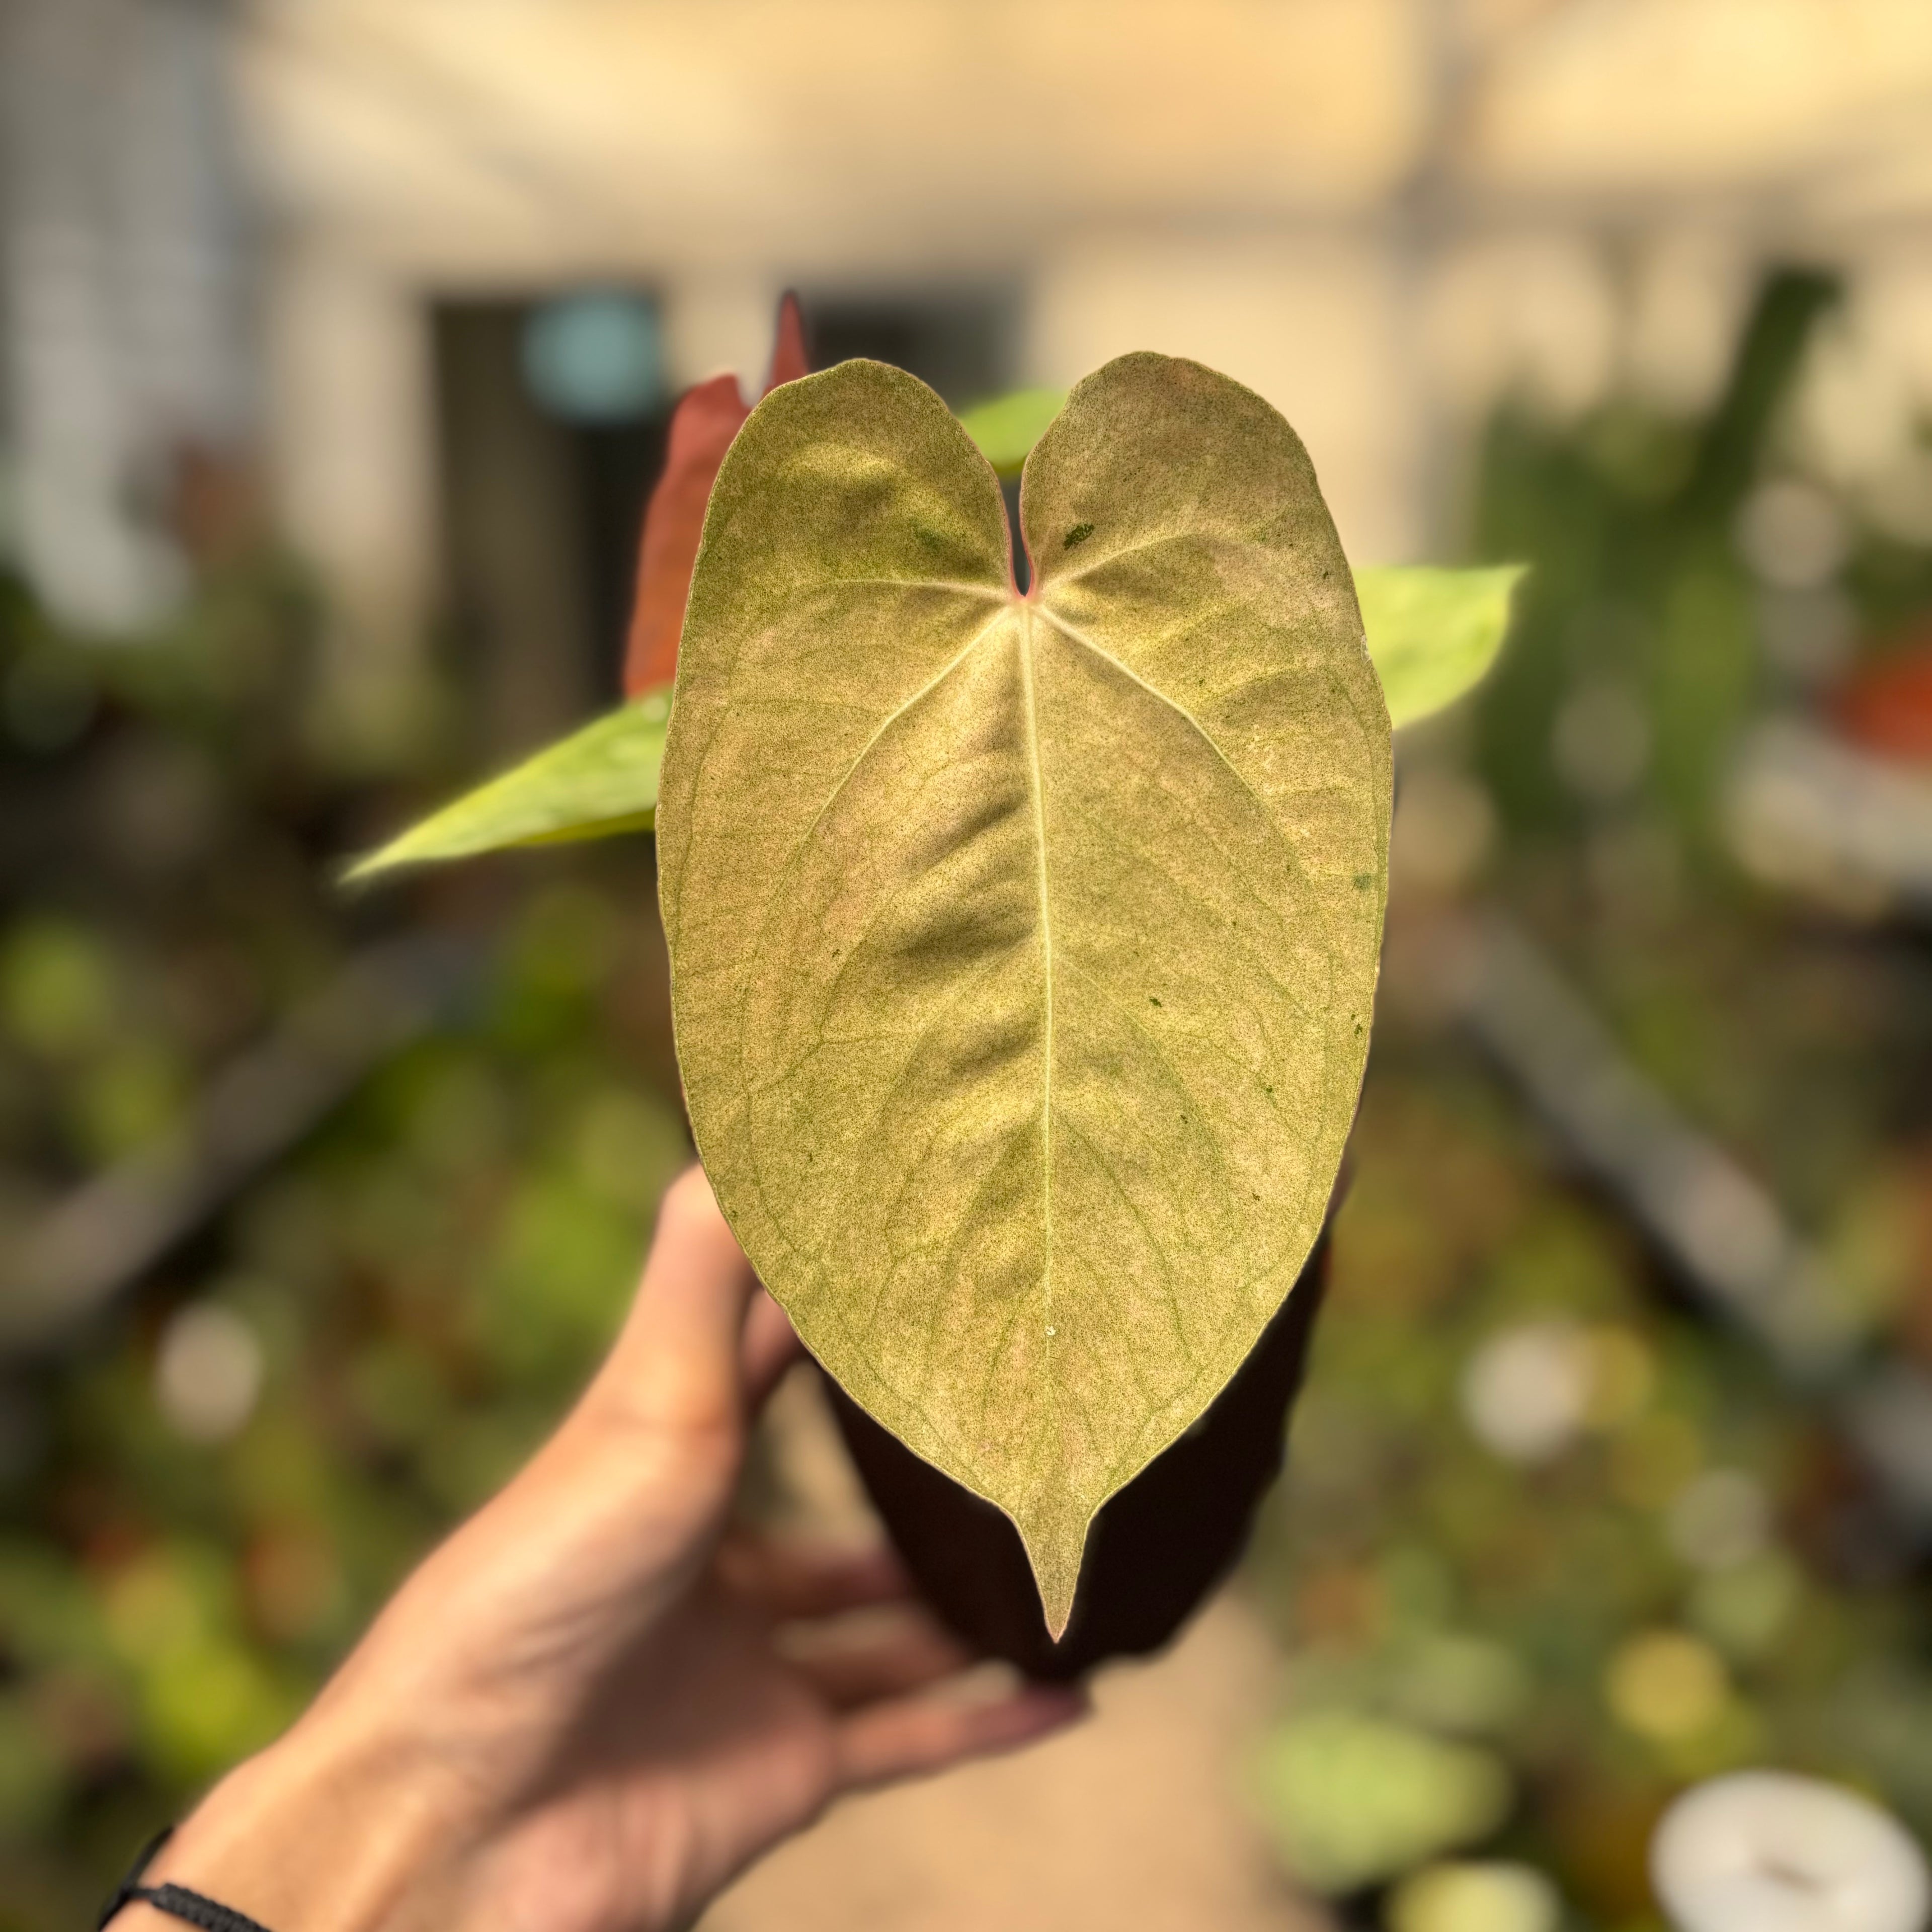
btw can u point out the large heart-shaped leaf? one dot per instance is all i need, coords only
(1433, 634)
(602, 779)
(1024, 949)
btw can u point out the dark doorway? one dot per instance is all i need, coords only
(541, 513)
(543, 500)
(960, 343)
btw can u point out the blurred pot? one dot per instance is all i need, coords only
(1155, 1549)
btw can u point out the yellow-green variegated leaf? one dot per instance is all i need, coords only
(1024, 950)
(599, 780)
(1007, 427)
(1433, 634)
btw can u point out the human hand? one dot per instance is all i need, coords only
(592, 1705)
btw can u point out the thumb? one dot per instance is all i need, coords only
(676, 1364)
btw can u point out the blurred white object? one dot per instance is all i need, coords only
(1808, 811)
(1720, 1520)
(1767, 1851)
(1810, 634)
(1792, 535)
(1526, 1390)
(1889, 1415)
(208, 1373)
(1487, 1895)
(1600, 742)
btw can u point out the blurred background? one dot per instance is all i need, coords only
(337, 343)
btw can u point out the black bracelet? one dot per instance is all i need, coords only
(176, 1900)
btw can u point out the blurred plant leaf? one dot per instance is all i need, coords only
(1352, 1800)
(1023, 952)
(1433, 634)
(706, 418)
(600, 780)
(1007, 427)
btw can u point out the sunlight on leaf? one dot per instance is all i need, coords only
(1008, 427)
(1433, 634)
(600, 781)
(1023, 952)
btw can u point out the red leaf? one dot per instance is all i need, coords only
(1886, 706)
(789, 361)
(706, 418)
(702, 426)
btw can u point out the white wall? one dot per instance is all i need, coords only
(352, 455)
(1315, 321)
(123, 332)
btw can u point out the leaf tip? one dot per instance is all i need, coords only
(1055, 1549)
(357, 874)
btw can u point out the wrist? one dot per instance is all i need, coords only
(325, 1831)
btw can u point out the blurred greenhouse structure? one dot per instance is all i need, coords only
(1384, 215)
(337, 341)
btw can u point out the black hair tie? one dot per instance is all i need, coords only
(176, 1900)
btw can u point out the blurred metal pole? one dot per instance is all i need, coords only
(91, 1247)
(1725, 1236)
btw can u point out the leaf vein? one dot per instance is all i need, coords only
(1126, 671)
(893, 716)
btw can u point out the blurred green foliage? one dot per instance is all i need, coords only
(1517, 1621)
(1687, 1577)
(1536, 1504)
(411, 1296)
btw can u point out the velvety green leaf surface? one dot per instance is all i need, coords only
(1007, 427)
(1024, 951)
(1433, 634)
(601, 780)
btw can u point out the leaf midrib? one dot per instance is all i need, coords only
(1180, 710)
(1037, 780)
(1029, 611)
